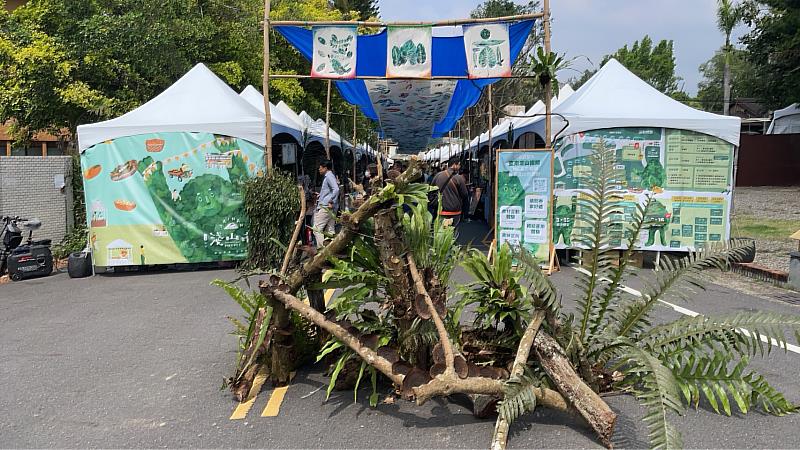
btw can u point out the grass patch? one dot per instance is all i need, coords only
(762, 228)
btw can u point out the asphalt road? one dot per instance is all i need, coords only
(138, 361)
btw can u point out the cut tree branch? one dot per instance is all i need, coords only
(444, 338)
(500, 437)
(367, 354)
(350, 225)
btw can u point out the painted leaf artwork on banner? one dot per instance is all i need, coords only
(488, 50)
(166, 198)
(334, 52)
(408, 109)
(408, 52)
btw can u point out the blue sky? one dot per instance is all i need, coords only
(593, 28)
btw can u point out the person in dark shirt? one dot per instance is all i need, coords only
(453, 189)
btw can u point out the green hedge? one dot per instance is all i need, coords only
(272, 204)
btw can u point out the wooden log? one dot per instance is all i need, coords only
(586, 401)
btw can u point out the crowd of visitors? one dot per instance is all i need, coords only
(452, 191)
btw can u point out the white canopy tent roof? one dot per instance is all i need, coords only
(786, 120)
(280, 122)
(615, 97)
(501, 130)
(198, 102)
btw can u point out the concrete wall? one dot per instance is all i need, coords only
(27, 189)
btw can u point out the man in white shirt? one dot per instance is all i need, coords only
(327, 204)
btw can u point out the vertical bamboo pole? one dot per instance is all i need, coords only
(490, 170)
(328, 123)
(354, 143)
(265, 89)
(548, 140)
(548, 93)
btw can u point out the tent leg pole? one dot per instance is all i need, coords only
(354, 143)
(267, 113)
(328, 123)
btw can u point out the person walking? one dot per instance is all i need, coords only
(453, 189)
(327, 203)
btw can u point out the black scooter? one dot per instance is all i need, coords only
(24, 260)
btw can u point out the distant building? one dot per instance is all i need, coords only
(13, 4)
(42, 144)
(755, 117)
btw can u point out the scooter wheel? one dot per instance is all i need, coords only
(16, 276)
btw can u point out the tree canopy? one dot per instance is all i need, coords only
(653, 64)
(773, 50)
(744, 80)
(66, 63)
(365, 8)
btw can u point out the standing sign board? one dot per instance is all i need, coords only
(523, 196)
(688, 174)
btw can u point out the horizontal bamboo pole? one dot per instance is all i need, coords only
(443, 23)
(370, 77)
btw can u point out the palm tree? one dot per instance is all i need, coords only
(728, 16)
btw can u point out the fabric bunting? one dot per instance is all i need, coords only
(488, 50)
(408, 52)
(447, 57)
(334, 52)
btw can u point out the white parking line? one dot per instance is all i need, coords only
(688, 312)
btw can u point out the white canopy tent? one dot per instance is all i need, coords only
(198, 102)
(281, 123)
(786, 120)
(615, 97)
(500, 131)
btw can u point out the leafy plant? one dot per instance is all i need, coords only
(673, 365)
(544, 67)
(272, 203)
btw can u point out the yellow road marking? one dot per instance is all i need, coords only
(328, 295)
(275, 400)
(244, 407)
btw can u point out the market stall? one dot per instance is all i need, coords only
(164, 181)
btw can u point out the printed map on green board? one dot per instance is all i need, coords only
(168, 198)
(688, 173)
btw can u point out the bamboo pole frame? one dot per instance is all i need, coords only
(441, 23)
(355, 142)
(328, 123)
(265, 89)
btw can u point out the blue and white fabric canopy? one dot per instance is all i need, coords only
(410, 112)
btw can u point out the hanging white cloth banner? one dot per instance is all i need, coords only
(488, 50)
(334, 52)
(408, 52)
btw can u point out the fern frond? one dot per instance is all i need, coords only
(767, 397)
(708, 375)
(611, 292)
(656, 388)
(540, 285)
(633, 316)
(240, 329)
(596, 208)
(519, 397)
(744, 333)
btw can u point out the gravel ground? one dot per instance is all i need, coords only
(770, 202)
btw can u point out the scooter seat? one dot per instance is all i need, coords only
(43, 242)
(32, 224)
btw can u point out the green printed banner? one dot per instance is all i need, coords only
(688, 174)
(524, 191)
(166, 198)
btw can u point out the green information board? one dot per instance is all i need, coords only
(168, 198)
(524, 192)
(688, 174)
